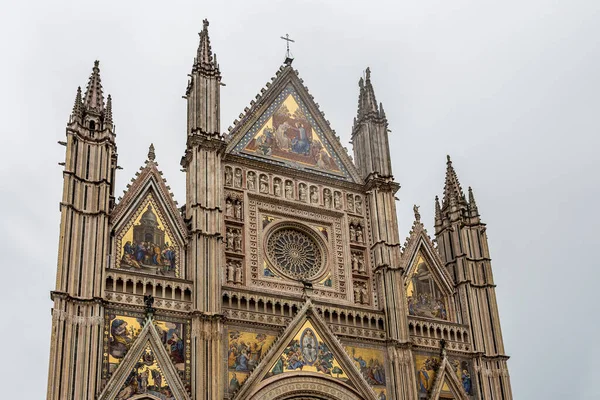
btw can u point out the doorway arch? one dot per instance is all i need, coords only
(303, 386)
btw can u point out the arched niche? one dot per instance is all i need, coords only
(303, 386)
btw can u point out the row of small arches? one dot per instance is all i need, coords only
(289, 309)
(430, 331)
(167, 291)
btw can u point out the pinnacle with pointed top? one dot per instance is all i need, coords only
(367, 103)
(472, 203)
(93, 100)
(108, 111)
(151, 153)
(204, 57)
(78, 106)
(438, 209)
(452, 189)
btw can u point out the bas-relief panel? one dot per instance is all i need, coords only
(371, 364)
(147, 245)
(244, 351)
(307, 352)
(423, 294)
(427, 367)
(123, 329)
(146, 378)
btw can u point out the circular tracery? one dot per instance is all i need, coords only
(295, 253)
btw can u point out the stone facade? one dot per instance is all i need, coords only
(283, 276)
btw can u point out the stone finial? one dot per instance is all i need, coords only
(151, 154)
(453, 192)
(78, 106)
(94, 99)
(108, 111)
(417, 215)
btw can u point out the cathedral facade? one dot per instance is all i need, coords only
(282, 277)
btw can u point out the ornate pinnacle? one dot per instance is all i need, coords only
(94, 99)
(367, 103)
(453, 192)
(472, 203)
(204, 57)
(78, 106)
(108, 111)
(438, 209)
(151, 154)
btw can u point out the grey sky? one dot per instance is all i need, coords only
(509, 89)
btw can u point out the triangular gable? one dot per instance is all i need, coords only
(317, 352)
(163, 249)
(146, 369)
(419, 244)
(446, 381)
(427, 282)
(286, 128)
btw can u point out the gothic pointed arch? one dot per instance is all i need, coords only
(325, 363)
(447, 384)
(286, 128)
(146, 371)
(148, 229)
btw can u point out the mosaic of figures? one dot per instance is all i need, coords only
(125, 329)
(427, 367)
(371, 364)
(290, 134)
(307, 352)
(146, 378)
(147, 244)
(423, 294)
(291, 190)
(244, 351)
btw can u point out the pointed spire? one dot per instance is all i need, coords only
(108, 111)
(94, 99)
(78, 106)
(438, 209)
(472, 203)
(204, 57)
(367, 103)
(151, 154)
(453, 192)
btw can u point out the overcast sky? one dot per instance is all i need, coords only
(510, 89)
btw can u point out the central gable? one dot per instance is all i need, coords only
(285, 128)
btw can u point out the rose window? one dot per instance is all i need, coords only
(295, 253)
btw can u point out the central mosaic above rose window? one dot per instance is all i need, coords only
(295, 253)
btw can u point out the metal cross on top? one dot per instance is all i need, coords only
(288, 57)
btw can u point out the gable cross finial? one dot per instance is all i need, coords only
(288, 56)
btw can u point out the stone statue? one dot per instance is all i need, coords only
(238, 178)
(302, 190)
(289, 192)
(327, 198)
(358, 205)
(359, 234)
(314, 195)
(238, 272)
(251, 181)
(238, 209)
(354, 262)
(264, 184)
(229, 239)
(228, 208)
(277, 187)
(337, 200)
(350, 201)
(352, 233)
(228, 176)
(237, 238)
(230, 271)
